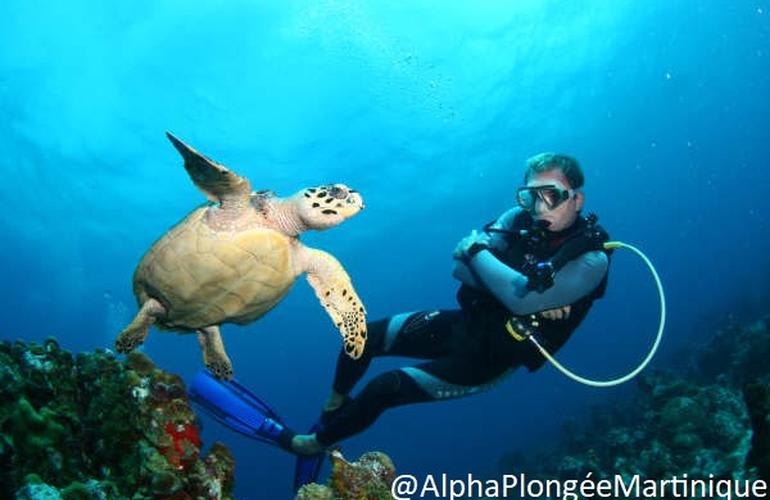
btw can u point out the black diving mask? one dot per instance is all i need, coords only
(551, 195)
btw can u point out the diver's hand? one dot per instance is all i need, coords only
(557, 313)
(461, 250)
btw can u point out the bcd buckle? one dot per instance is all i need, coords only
(519, 329)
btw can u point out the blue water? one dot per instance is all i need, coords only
(427, 108)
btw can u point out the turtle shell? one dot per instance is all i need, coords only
(206, 277)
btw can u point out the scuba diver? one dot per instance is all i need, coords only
(533, 272)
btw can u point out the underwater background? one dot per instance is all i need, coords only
(429, 109)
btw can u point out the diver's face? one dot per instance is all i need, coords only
(564, 215)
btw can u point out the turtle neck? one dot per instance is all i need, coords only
(282, 214)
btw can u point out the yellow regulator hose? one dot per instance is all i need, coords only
(612, 245)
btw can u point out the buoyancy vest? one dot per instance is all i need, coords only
(488, 316)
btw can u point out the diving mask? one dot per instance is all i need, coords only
(551, 195)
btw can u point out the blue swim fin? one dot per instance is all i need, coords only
(236, 407)
(308, 467)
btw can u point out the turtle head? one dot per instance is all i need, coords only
(321, 207)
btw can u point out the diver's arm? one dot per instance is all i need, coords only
(464, 275)
(495, 240)
(503, 223)
(575, 280)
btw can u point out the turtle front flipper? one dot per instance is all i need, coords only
(335, 292)
(216, 181)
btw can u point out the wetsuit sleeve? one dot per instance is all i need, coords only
(463, 274)
(496, 240)
(575, 280)
(504, 223)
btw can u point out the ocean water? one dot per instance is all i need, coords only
(429, 109)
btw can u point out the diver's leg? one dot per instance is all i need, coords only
(214, 355)
(349, 370)
(393, 388)
(444, 378)
(135, 333)
(425, 334)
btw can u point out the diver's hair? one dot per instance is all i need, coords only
(545, 162)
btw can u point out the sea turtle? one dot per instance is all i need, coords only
(233, 259)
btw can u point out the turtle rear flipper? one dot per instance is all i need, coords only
(214, 356)
(217, 182)
(135, 333)
(333, 288)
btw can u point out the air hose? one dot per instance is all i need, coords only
(611, 245)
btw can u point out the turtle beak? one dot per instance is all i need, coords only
(355, 198)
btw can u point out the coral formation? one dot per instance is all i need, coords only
(711, 420)
(368, 478)
(737, 354)
(91, 426)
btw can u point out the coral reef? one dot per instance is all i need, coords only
(368, 478)
(91, 426)
(713, 419)
(737, 354)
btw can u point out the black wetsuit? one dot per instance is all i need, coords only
(468, 349)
